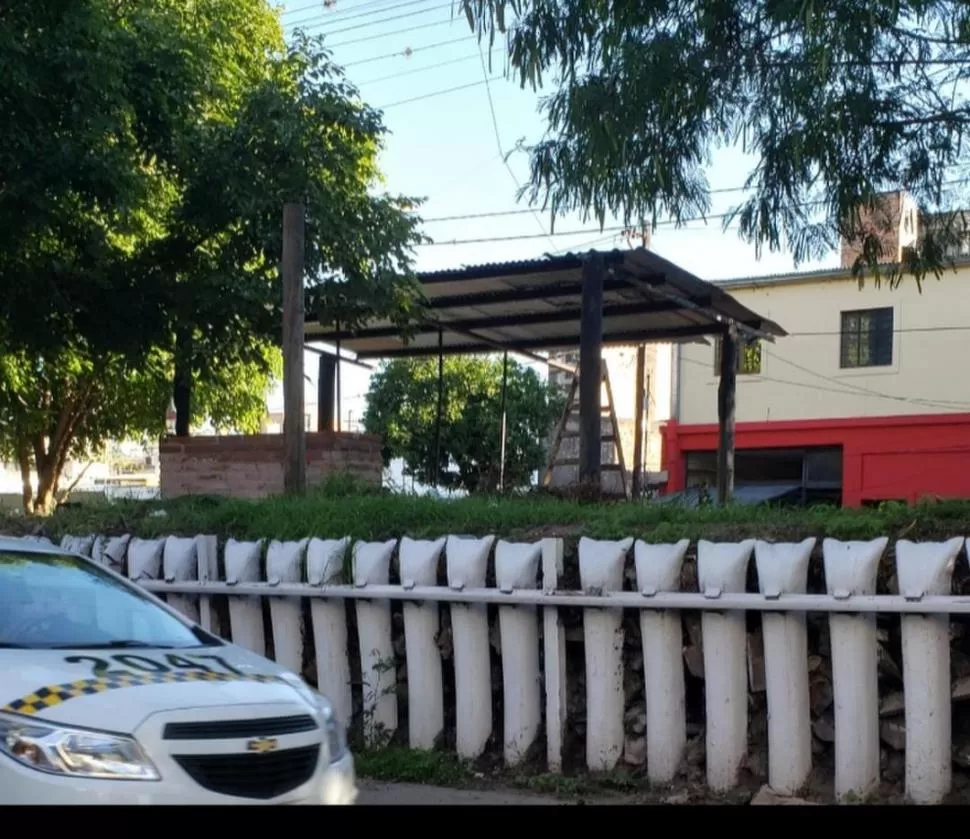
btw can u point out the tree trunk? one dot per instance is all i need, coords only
(48, 479)
(50, 457)
(23, 459)
(182, 384)
(48, 464)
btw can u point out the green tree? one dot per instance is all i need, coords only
(146, 152)
(836, 101)
(402, 406)
(69, 402)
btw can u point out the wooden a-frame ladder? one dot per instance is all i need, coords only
(563, 432)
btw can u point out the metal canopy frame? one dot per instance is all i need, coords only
(587, 301)
(536, 305)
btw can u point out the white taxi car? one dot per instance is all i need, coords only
(109, 696)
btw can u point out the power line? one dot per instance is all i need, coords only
(712, 217)
(862, 390)
(326, 9)
(395, 32)
(485, 239)
(298, 9)
(873, 63)
(407, 52)
(584, 245)
(498, 142)
(433, 93)
(470, 216)
(339, 17)
(435, 66)
(916, 329)
(381, 20)
(842, 391)
(943, 62)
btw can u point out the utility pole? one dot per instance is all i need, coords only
(294, 430)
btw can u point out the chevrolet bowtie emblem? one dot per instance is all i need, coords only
(261, 745)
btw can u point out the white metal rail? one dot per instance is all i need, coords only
(713, 601)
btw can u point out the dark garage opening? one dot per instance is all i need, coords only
(800, 476)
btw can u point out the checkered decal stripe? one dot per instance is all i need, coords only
(51, 695)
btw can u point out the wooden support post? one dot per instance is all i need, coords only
(326, 385)
(591, 372)
(338, 378)
(441, 402)
(504, 432)
(638, 422)
(726, 391)
(294, 428)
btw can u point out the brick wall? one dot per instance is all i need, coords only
(252, 466)
(884, 220)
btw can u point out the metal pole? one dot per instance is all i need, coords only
(638, 422)
(505, 384)
(441, 400)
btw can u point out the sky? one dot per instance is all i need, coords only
(442, 147)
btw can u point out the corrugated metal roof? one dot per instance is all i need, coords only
(535, 304)
(540, 264)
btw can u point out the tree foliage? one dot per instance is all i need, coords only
(836, 101)
(146, 152)
(402, 406)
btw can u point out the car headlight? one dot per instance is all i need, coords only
(336, 736)
(60, 750)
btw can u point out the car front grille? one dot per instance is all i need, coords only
(261, 776)
(233, 729)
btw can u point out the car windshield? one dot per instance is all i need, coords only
(53, 601)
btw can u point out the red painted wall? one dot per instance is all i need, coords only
(883, 458)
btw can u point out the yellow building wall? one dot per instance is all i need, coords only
(801, 377)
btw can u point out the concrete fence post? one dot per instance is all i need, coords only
(927, 569)
(517, 567)
(111, 552)
(722, 568)
(243, 560)
(467, 564)
(783, 569)
(601, 565)
(207, 554)
(553, 656)
(851, 569)
(145, 559)
(284, 564)
(325, 565)
(418, 562)
(658, 569)
(372, 565)
(180, 562)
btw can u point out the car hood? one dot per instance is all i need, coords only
(116, 690)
